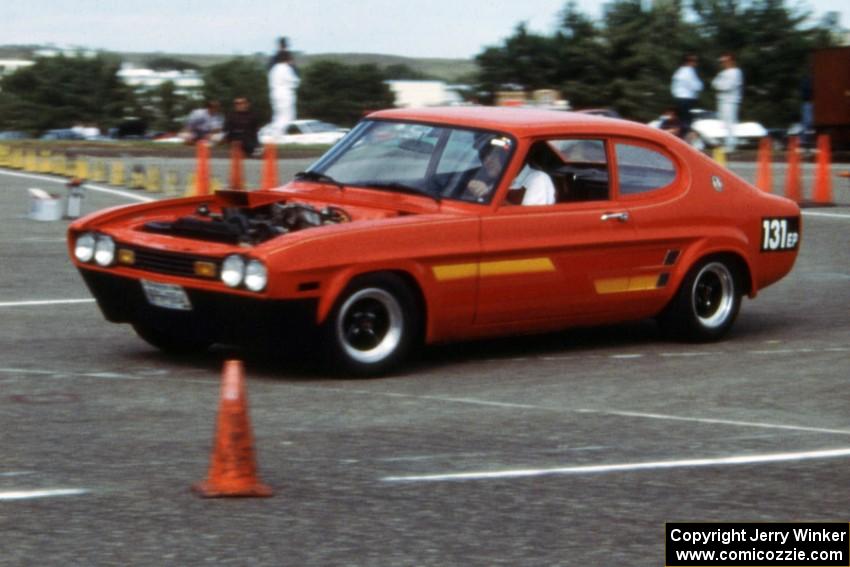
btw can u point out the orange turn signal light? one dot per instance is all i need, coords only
(205, 269)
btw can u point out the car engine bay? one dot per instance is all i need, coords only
(248, 225)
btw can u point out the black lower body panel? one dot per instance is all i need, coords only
(214, 317)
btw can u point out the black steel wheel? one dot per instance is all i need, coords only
(706, 304)
(374, 325)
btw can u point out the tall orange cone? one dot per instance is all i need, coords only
(233, 467)
(202, 176)
(792, 179)
(269, 179)
(822, 194)
(764, 178)
(236, 177)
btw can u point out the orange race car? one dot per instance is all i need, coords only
(443, 224)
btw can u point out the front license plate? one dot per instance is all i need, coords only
(168, 296)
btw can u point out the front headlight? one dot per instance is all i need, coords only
(104, 251)
(84, 247)
(233, 271)
(256, 275)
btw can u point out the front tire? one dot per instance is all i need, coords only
(374, 326)
(707, 303)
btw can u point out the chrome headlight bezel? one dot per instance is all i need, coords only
(104, 251)
(233, 271)
(84, 247)
(256, 276)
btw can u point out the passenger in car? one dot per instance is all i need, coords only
(538, 185)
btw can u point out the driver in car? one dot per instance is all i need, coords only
(493, 160)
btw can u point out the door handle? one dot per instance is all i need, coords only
(622, 216)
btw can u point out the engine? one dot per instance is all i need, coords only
(243, 225)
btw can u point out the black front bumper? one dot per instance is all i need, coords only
(214, 317)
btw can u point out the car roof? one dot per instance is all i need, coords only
(517, 121)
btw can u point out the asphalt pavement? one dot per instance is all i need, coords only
(570, 448)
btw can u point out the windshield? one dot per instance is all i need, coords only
(440, 161)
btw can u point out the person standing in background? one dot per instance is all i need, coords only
(729, 85)
(686, 87)
(283, 82)
(241, 126)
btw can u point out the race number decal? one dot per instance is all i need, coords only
(780, 233)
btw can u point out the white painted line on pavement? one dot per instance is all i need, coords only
(826, 215)
(90, 186)
(717, 421)
(66, 374)
(627, 467)
(28, 494)
(38, 303)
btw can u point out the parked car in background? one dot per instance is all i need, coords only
(62, 134)
(13, 135)
(304, 132)
(416, 229)
(708, 131)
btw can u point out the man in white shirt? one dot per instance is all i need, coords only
(728, 83)
(283, 82)
(539, 189)
(686, 87)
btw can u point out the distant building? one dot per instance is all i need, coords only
(9, 66)
(187, 83)
(414, 94)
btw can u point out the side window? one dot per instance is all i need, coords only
(641, 170)
(579, 169)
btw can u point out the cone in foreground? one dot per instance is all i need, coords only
(233, 466)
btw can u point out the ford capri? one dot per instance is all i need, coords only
(425, 226)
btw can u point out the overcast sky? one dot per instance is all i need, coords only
(418, 28)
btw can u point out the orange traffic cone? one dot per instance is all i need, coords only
(822, 194)
(269, 168)
(233, 468)
(792, 179)
(236, 178)
(764, 178)
(202, 177)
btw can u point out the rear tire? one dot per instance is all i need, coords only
(706, 304)
(374, 326)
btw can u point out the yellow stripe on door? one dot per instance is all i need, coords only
(495, 268)
(627, 284)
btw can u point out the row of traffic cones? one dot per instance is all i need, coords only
(822, 191)
(268, 180)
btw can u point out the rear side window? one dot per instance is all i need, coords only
(641, 170)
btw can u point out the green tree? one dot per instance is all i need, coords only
(581, 58)
(59, 92)
(526, 60)
(239, 77)
(342, 93)
(627, 59)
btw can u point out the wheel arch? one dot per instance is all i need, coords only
(737, 259)
(343, 280)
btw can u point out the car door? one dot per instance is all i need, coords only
(563, 261)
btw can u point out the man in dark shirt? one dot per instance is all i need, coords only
(241, 126)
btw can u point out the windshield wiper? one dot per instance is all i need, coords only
(320, 177)
(394, 186)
